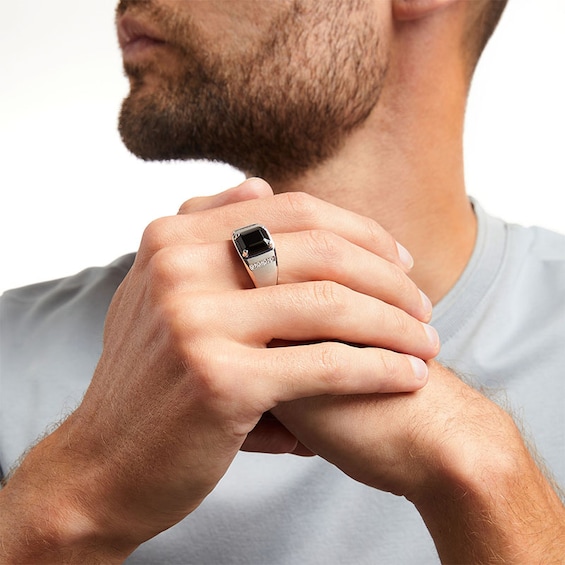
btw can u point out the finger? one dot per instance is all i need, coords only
(331, 368)
(248, 190)
(283, 213)
(302, 257)
(270, 436)
(314, 311)
(294, 212)
(325, 310)
(320, 255)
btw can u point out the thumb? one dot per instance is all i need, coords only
(249, 189)
(270, 436)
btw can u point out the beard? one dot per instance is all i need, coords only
(274, 110)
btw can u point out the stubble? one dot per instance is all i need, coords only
(283, 106)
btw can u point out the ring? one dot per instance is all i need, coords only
(256, 248)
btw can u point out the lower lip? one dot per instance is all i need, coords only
(139, 48)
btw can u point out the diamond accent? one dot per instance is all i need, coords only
(262, 263)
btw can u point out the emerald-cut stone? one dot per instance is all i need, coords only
(253, 242)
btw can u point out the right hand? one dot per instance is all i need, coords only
(186, 371)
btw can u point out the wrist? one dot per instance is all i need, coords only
(473, 462)
(485, 497)
(47, 519)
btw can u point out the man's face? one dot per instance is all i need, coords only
(271, 87)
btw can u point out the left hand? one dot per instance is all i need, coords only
(401, 443)
(458, 457)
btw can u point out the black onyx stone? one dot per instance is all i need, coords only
(255, 241)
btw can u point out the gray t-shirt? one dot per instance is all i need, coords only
(502, 326)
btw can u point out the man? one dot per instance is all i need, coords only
(361, 105)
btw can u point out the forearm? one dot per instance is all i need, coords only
(41, 517)
(498, 508)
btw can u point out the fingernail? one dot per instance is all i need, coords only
(405, 258)
(419, 367)
(433, 336)
(426, 303)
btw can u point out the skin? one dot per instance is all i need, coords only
(206, 94)
(172, 360)
(162, 377)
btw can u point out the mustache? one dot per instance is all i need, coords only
(125, 5)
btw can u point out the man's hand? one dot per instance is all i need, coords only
(186, 372)
(452, 452)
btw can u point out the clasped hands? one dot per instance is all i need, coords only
(194, 356)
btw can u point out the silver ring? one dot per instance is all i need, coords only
(256, 248)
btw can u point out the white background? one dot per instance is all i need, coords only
(71, 195)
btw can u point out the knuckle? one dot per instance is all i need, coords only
(184, 208)
(373, 229)
(206, 363)
(401, 322)
(188, 206)
(331, 364)
(302, 205)
(329, 296)
(375, 232)
(172, 267)
(326, 245)
(155, 236)
(400, 282)
(162, 268)
(183, 324)
(389, 363)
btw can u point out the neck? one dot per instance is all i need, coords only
(405, 170)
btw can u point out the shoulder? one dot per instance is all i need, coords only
(86, 293)
(50, 341)
(58, 317)
(537, 244)
(108, 276)
(535, 266)
(44, 326)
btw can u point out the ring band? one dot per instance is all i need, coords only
(256, 248)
